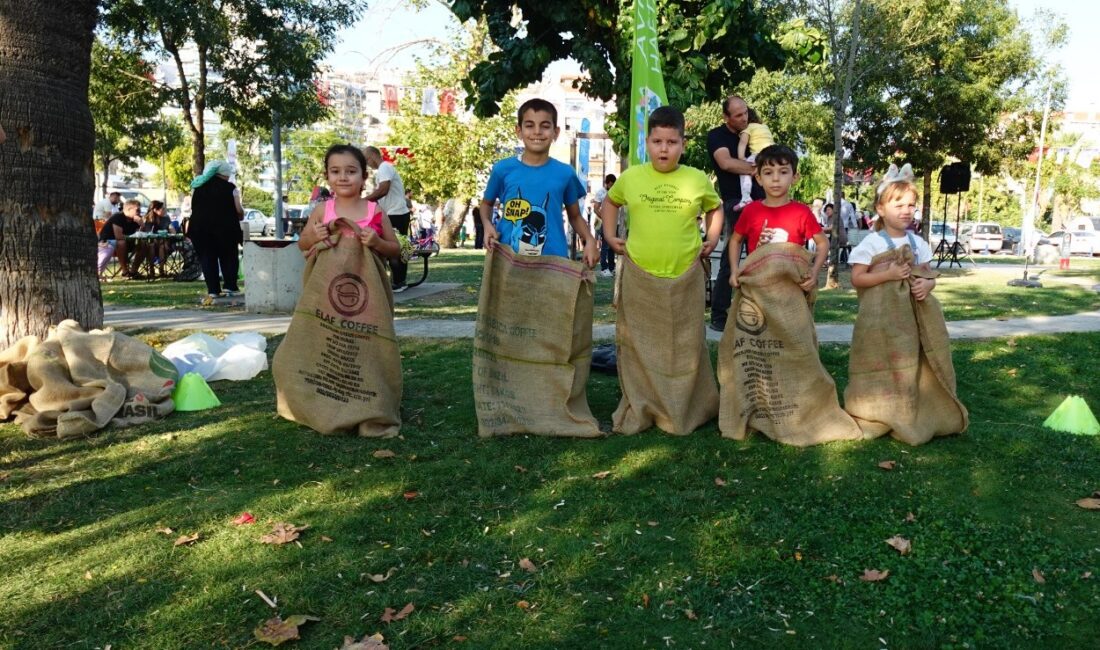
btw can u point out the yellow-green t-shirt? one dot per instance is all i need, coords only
(664, 237)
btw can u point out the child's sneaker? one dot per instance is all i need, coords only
(400, 287)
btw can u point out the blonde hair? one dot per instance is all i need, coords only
(888, 192)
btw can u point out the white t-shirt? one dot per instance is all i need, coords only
(874, 244)
(848, 215)
(394, 200)
(104, 209)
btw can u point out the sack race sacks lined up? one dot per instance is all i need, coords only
(664, 366)
(77, 382)
(769, 369)
(533, 346)
(339, 367)
(900, 376)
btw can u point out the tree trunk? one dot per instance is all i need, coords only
(448, 232)
(47, 179)
(926, 207)
(833, 280)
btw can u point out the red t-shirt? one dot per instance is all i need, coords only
(794, 218)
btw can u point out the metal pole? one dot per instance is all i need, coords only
(1026, 232)
(277, 153)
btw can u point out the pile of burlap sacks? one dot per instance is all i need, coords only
(74, 383)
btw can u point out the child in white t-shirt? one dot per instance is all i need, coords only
(895, 204)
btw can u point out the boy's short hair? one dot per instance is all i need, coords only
(610, 178)
(777, 154)
(536, 104)
(129, 202)
(668, 117)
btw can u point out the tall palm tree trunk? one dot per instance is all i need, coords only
(47, 241)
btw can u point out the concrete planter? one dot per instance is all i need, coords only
(272, 275)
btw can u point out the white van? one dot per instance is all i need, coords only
(981, 236)
(1083, 223)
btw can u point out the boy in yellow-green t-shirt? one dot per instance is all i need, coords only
(665, 372)
(664, 199)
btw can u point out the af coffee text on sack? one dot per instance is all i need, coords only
(900, 375)
(339, 367)
(75, 382)
(769, 368)
(533, 346)
(664, 365)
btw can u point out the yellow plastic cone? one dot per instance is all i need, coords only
(192, 393)
(1073, 416)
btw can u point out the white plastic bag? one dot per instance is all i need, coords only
(237, 358)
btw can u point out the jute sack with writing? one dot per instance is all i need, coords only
(769, 369)
(664, 364)
(78, 382)
(339, 367)
(900, 376)
(533, 346)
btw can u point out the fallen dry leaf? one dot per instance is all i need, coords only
(378, 577)
(523, 604)
(910, 518)
(645, 601)
(691, 616)
(528, 565)
(326, 538)
(410, 495)
(283, 533)
(87, 575)
(1086, 575)
(184, 540)
(389, 615)
(900, 544)
(243, 519)
(458, 638)
(166, 531)
(372, 642)
(719, 481)
(834, 578)
(1038, 575)
(888, 464)
(521, 469)
(383, 453)
(874, 575)
(1089, 503)
(602, 475)
(276, 631)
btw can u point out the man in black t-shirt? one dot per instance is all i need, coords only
(722, 146)
(112, 237)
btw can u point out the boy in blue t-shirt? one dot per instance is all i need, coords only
(532, 188)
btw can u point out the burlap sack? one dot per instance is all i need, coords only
(14, 387)
(664, 364)
(768, 364)
(533, 346)
(900, 376)
(339, 368)
(82, 381)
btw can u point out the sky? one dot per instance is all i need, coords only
(389, 23)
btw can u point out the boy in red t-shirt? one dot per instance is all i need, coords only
(777, 218)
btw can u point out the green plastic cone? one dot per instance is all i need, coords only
(1073, 416)
(192, 393)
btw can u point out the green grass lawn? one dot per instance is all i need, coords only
(965, 294)
(657, 554)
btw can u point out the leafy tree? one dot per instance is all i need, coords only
(705, 44)
(303, 160)
(452, 154)
(252, 58)
(125, 105)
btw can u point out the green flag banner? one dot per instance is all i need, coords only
(647, 83)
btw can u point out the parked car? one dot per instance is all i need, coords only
(1083, 223)
(1082, 242)
(981, 236)
(1011, 239)
(296, 217)
(259, 223)
(936, 235)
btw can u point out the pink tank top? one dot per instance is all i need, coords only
(373, 220)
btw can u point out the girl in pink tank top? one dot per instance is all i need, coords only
(345, 172)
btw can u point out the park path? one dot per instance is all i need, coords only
(125, 318)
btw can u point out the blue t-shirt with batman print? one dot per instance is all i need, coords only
(531, 200)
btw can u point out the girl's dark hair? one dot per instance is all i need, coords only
(155, 205)
(753, 117)
(348, 149)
